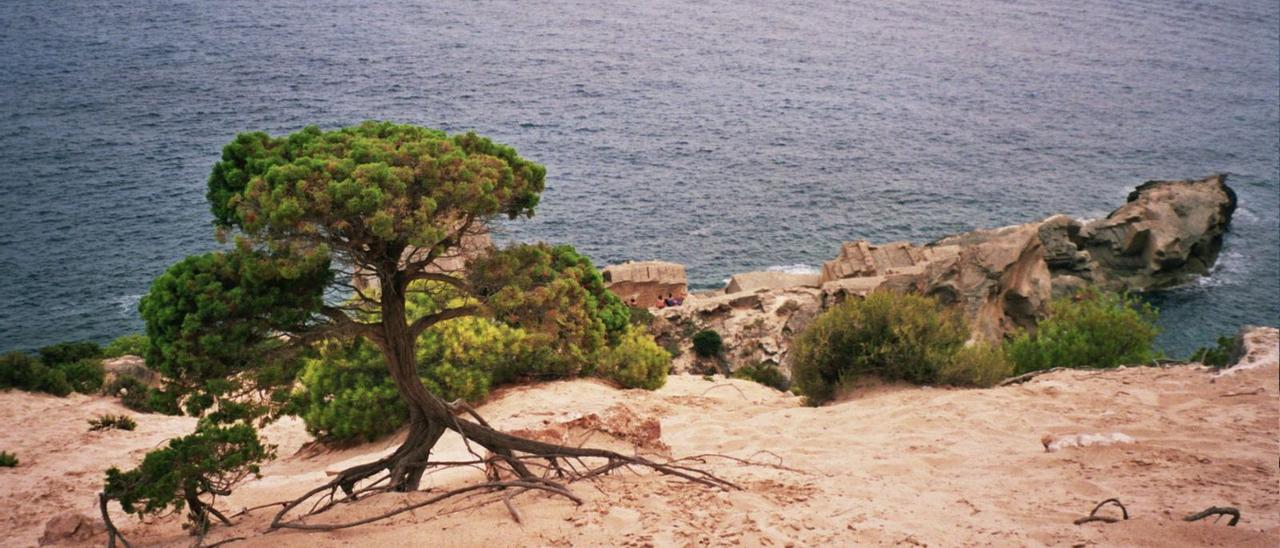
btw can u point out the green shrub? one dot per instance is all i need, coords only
(707, 343)
(979, 364)
(887, 335)
(641, 316)
(8, 460)
(637, 361)
(137, 396)
(188, 471)
(25, 372)
(1090, 329)
(134, 344)
(69, 352)
(108, 421)
(764, 373)
(347, 394)
(85, 376)
(1226, 351)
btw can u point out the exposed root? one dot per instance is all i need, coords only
(1217, 511)
(1093, 516)
(514, 465)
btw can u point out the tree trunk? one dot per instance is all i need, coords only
(409, 461)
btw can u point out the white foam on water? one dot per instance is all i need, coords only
(798, 268)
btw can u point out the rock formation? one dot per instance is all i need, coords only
(1169, 232)
(645, 283)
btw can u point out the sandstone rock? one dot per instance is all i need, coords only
(1000, 279)
(1169, 233)
(71, 528)
(132, 366)
(618, 421)
(750, 282)
(645, 283)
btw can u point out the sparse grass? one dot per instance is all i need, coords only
(764, 373)
(110, 422)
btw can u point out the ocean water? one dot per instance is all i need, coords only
(726, 135)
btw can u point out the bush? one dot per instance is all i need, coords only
(1224, 353)
(347, 394)
(107, 422)
(1090, 329)
(205, 463)
(134, 344)
(137, 396)
(68, 352)
(85, 376)
(641, 316)
(764, 373)
(24, 372)
(887, 335)
(637, 361)
(8, 460)
(707, 343)
(980, 364)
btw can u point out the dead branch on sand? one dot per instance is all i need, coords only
(1216, 511)
(1093, 516)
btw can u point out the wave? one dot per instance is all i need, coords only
(798, 268)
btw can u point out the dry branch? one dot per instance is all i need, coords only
(1216, 511)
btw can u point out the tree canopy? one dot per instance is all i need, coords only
(311, 214)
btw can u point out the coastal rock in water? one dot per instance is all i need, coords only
(1169, 233)
(1001, 279)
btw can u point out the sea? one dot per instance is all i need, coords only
(729, 136)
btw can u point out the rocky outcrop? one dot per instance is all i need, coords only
(1002, 279)
(130, 366)
(1169, 233)
(645, 283)
(71, 528)
(755, 327)
(750, 282)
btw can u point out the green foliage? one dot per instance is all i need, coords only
(69, 352)
(137, 396)
(707, 343)
(25, 372)
(134, 344)
(189, 469)
(640, 316)
(109, 421)
(888, 335)
(347, 394)
(1226, 351)
(764, 373)
(539, 289)
(213, 321)
(8, 460)
(1090, 329)
(85, 376)
(980, 364)
(636, 361)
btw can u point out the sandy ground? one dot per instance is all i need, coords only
(892, 465)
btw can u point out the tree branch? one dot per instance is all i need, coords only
(421, 324)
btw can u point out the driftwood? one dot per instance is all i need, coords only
(1093, 516)
(1216, 511)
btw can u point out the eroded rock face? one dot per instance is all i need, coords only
(1169, 233)
(1001, 279)
(755, 327)
(131, 366)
